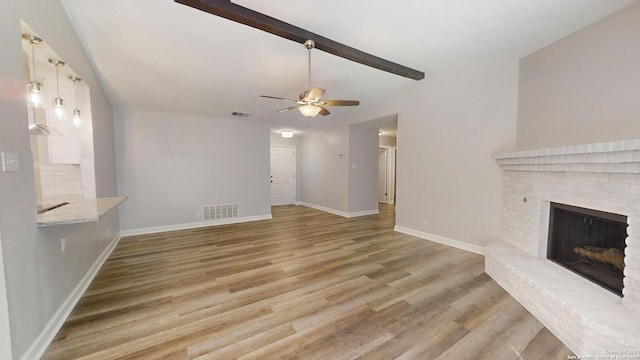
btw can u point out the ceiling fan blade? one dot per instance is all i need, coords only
(278, 98)
(315, 94)
(287, 109)
(338, 103)
(324, 111)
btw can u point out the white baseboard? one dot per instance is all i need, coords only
(364, 213)
(338, 212)
(40, 344)
(441, 240)
(195, 225)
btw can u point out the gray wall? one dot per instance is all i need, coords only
(363, 168)
(584, 88)
(171, 164)
(325, 176)
(39, 276)
(448, 183)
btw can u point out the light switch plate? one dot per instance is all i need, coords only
(10, 162)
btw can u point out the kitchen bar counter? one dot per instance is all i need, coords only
(80, 211)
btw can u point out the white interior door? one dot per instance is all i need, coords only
(283, 175)
(382, 175)
(391, 175)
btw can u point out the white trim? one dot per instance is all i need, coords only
(391, 175)
(325, 209)
(386, 175)
(441, 240)
(40, 344)
(295, 172)
(338, 212)
(195, 225)
(363, 213)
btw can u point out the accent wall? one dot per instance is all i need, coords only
(584, 88)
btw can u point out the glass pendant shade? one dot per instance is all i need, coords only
(309, 110)
(58, 107)
(77, 120)
(34, 89)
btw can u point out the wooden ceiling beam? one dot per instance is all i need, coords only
(240, 14)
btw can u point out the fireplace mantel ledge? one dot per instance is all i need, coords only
(610, 157)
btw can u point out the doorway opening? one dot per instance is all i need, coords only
(385, 157)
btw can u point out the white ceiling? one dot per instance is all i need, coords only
(160, 55)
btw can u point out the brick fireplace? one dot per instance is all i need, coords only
(604, 177)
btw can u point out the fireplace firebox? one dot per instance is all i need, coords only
(590, 243)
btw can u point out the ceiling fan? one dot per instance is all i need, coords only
(310, 102)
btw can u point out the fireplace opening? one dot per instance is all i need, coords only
(590, 243)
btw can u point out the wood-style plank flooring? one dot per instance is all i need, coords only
(305, 285)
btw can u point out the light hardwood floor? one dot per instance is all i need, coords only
(305, 285)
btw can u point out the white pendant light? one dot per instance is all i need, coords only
(286, 133)
(58, 103)
(77, 119)
(34, 88)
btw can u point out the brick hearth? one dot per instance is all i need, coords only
(606, 177)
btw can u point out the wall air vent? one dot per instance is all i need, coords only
(240, 114)
(216, 212)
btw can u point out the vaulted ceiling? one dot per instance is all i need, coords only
(161, 55)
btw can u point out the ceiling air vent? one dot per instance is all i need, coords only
(240, 114)
(216, 212)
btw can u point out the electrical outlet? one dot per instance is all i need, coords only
(425, 223)
(198, 215)
(108, 232)
(63, 244)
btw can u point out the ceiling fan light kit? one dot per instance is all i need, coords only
(309, 110)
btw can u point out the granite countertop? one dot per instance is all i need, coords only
(79, 211)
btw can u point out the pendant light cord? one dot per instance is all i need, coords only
(57, 79)
(33, 60)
